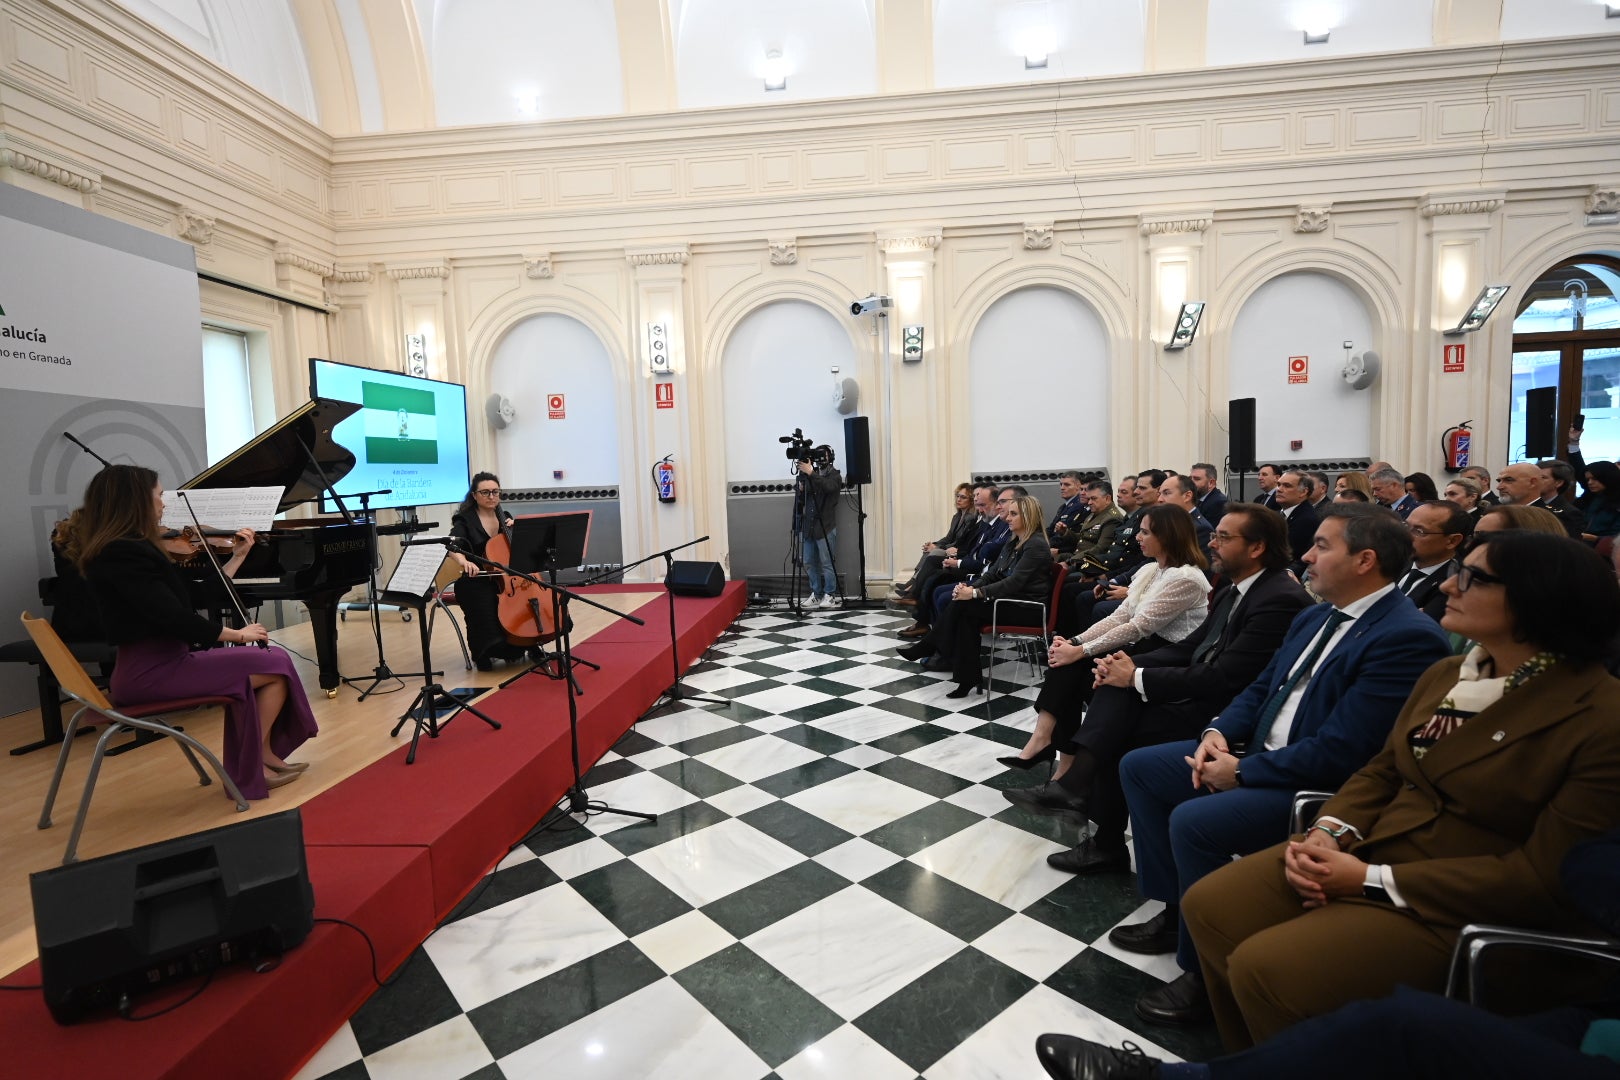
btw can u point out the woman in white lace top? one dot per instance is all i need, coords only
(1168, 599)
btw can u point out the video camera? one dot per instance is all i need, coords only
(800, 449)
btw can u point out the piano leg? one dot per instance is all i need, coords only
(323, 619)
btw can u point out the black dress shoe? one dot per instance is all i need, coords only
(915, 630)
(1088, 858)
(1182, 1003)
(1152, 938)
(1050, 796)
(964, 689)
(483, 663)
(1065, 1057)
(915, 652)
(1046, 753)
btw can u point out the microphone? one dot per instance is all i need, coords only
(453, 543)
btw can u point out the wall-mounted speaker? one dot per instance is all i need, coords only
(1240, 428)
(857, 450)
(695, 578)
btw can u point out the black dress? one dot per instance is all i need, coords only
(479, 596)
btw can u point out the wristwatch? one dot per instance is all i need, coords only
(1337, 834)
(1237, 773)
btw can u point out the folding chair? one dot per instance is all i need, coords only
(95, 708)
(1025, 637)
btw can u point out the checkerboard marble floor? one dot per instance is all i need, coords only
(835, 887)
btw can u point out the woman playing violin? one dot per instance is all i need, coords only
(165, 649)
(478, 518)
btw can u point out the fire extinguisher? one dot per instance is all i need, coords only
(1456, 444)
(664, 479)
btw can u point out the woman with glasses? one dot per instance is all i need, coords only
(1501, 762)
(959, 534)
(478, 518)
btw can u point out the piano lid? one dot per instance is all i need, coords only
(277, 457)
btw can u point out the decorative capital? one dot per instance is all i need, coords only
(908, 242)
(1172, 224)
(56, 170)
(1603, 201)
(420, 271)
(664, 256)
(350, 275)
(1037, 237)
(1312, 219)
(538, 267)
(783, 252)
(194, 228)
(1451, 205)
(286, 256)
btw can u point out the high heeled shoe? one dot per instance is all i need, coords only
(964, 689)
(915, 652)
(1043, 755)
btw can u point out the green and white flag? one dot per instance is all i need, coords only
(401, 428)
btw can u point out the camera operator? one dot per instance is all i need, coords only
(818, 485)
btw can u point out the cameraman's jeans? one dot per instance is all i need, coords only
(818, 564)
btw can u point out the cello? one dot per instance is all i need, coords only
(524, 608)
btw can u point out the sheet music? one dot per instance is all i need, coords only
(418, 568)
(222, 508)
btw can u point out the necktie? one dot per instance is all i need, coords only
(1302, 672)
(1217, 625)
(1413, 577)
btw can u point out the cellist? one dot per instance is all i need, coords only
(479, 518)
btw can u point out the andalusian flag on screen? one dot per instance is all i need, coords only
(400, 426)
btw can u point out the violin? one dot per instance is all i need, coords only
(524, 608)
(188, 545)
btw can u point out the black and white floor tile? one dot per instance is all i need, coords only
(835, 887)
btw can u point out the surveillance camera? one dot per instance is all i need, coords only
(871, 305)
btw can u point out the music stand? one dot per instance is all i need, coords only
(413, 585)
(545, 544)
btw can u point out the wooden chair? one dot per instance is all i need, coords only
(95, 708)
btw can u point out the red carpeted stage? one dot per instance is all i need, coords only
(391, 849)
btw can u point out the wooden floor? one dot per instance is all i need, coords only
(151, 794)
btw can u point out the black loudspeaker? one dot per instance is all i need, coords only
(1541, 422)
(1240, 426)
(857, 451)
(112, 927)
(695, 578)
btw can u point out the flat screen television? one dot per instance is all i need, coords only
(409, 437)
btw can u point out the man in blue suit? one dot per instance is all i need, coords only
(1318, 712)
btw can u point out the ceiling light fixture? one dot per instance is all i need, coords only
(1317, 37)
(775, 71)
(1034, 61)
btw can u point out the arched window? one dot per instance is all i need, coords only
(1566, 344)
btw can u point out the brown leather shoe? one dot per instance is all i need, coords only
(915, 630)
(906, 601)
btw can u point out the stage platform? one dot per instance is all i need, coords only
(391, 848)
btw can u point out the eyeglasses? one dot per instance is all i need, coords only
(1005, 502)
(1419, 530)
(494, 492)
(1468, 575)
(963, 495)
(1227, 538)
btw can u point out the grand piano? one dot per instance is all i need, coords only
(312, 560)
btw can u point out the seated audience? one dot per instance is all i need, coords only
(1465, 492)
(1211, 499)
(1293, 501)
(1505, 516)
(1439, 532)
(1410, 1035)
(1022, 571)
(1500, 762)
(972, 558)
(1095, 532)
(1178, 491)
(1351, 495)
(1060, 530)
(1116, 563)
(1321, 491)
(1267, 477)
(1353, 481)
(1125, 493)
(1168, 693)
(964, 523)
(1557, 485)
(1421, 487)
(1601, 503)
(1317, 713)
(1389, 490)
(1480, 475)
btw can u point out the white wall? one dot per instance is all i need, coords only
(1312, 315)
(720, 45)
(979, 44)
(554, 354)
(1028, 359)
(1256, 31)
(777, 371)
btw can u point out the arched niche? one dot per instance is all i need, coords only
(546, 355)
(1038, 383)
(1311, 314)
(776, 369)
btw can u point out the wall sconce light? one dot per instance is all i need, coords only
(1480, 310)
(415, 354)
(658, 362)
(1317, 37)
(1611, 11)
(1034, 61)
(775, 71)
(911, 344)
(1186, 325)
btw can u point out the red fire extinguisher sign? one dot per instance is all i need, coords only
(664, 395)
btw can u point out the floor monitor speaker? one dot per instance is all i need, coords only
(112, 927)
(1240, 427)
(857, 451)
(695, 578)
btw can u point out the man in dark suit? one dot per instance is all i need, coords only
(1557, 482)
(1316, 714)
(1178, 491)
(1294, 502)
(1439, 530)
(1067, 516)
(1267, 478)
(1172, 692)
(1211, 499)
(976, 554)
(1487, 488)
(1389, 490)
(1321, 491)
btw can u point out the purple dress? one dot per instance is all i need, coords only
(148, 614)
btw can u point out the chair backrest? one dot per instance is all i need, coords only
(63, 664)
(1058, 579)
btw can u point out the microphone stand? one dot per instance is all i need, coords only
(676, 692)
(381, 673)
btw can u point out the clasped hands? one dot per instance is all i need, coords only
(1318, 871)
(963, 591)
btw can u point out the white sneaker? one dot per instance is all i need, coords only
(829, 601)
(813, 602)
